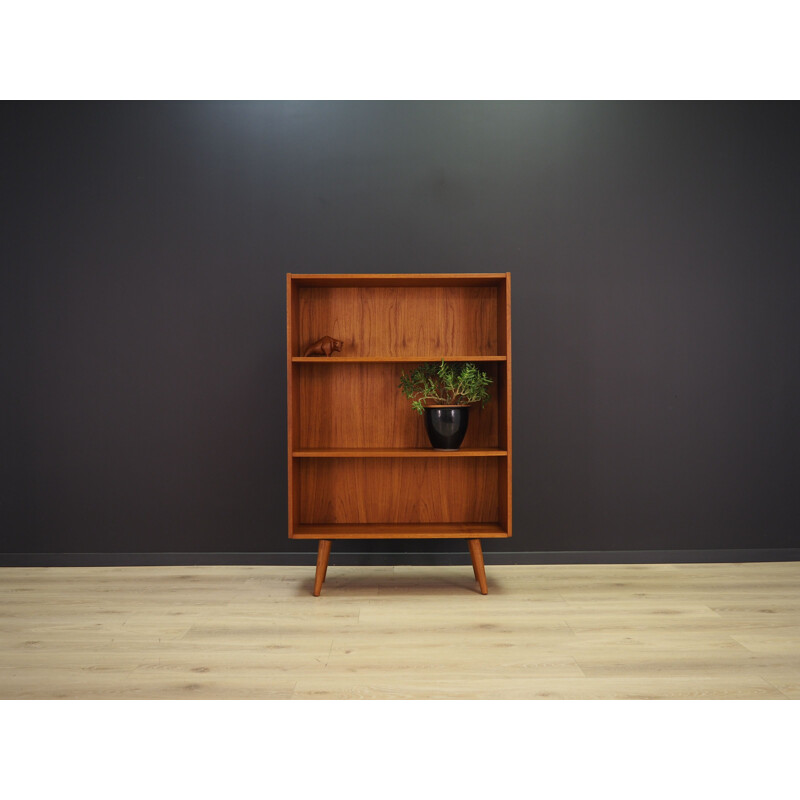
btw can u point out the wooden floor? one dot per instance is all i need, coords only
(591, 631)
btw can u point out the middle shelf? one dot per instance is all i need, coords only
(397, 452)
(333, 359)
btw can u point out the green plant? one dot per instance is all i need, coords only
(445, 384)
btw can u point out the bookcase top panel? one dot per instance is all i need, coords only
(419, 279)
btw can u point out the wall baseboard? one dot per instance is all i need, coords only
(397, 559)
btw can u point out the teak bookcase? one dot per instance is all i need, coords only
(360, 463)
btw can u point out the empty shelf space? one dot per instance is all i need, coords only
(398, 452)
(400, 530)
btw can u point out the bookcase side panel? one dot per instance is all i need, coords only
(504, 411)
(292, 404)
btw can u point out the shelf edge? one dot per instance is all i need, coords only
(389, 359)
(355, 452)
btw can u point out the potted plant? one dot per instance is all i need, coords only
(443, 393)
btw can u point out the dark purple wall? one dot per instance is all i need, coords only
(655, 259)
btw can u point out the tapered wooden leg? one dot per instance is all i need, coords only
(477, 564)
(322, 564)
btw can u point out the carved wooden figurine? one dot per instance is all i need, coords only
(323, 347)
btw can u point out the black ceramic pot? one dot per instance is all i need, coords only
(446, 426)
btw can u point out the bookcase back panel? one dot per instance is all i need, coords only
(401, 320)
(394, 490)
(360, 405)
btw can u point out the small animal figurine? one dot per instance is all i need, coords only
(323, 347)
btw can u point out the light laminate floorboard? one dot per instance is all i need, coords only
(634, 631)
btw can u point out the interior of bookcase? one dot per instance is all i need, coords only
(414, 321)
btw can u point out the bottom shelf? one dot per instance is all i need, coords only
(400, 530)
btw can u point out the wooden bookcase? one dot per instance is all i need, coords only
(360, 464)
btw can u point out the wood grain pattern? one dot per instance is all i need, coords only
(636, 631)
(401, 320)
(390, 490)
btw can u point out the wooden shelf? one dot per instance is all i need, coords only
(398, 452)
(437, 530)
(389, 359)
